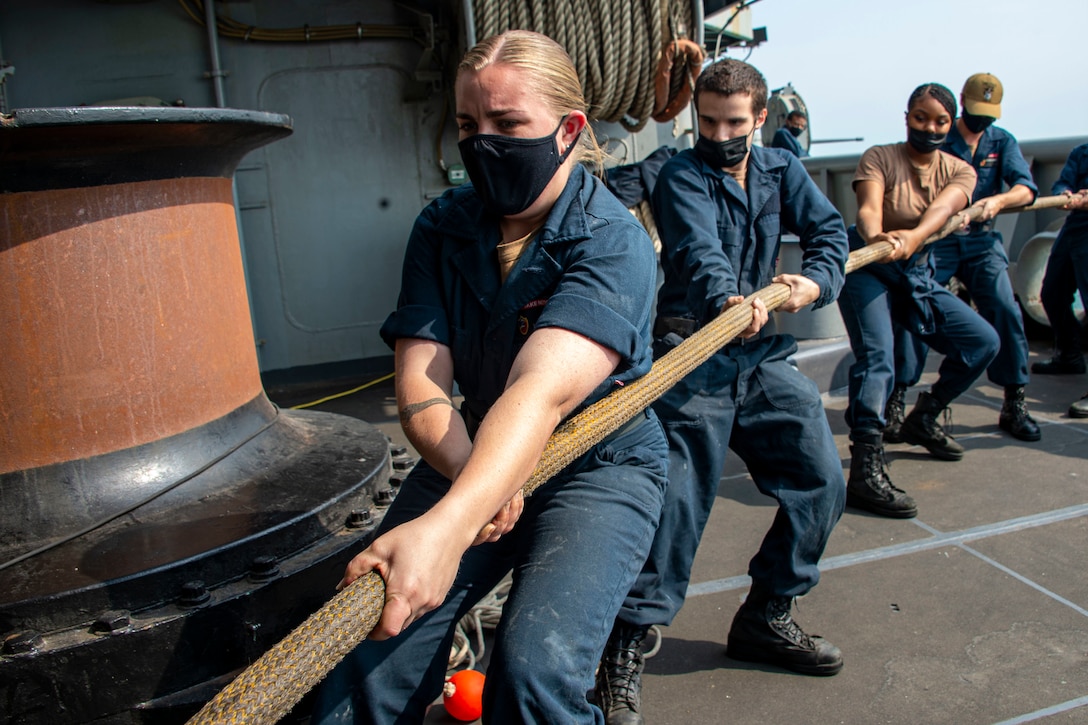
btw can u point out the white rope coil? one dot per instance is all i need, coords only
(468, 637)
(484, 616)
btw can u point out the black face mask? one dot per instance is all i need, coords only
(976, 124)
(510, 173)
(795, 130)
(923, 142)
(722, 154)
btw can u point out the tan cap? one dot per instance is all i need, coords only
(982, 95)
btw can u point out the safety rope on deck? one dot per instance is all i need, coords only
(267, 690)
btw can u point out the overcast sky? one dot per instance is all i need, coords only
(855, 62)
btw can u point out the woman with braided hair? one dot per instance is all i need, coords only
(531, 289)
(905, 193)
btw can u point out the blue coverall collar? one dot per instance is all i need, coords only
(959, 148)
(764, 171)
(566, 221)
(476, 260)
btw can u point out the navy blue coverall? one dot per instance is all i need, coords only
(783, 139)
(1067, 267)
(584, 534)
(720, 241)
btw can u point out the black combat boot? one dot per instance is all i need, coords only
(921, 428)
(1015, 418)
(619, 676)
(893, 414)
(1064, 362)
(869, 487)
(1079, 409)
(764, 631)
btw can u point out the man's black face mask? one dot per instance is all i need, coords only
(975, 124)
(722, 154)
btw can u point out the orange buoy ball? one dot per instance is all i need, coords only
(463, 695)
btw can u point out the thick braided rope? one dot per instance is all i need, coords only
(271, 686)
(595, 423)
(875, 252)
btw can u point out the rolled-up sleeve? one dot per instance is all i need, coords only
(420, 309)
(1014, 167)
(606, 292)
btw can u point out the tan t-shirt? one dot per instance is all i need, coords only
(510, 252)
(910, 189)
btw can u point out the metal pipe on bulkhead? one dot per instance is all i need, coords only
(216, 72)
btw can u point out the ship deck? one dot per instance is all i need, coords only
(975, 612)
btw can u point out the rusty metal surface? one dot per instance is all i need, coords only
(124, 317)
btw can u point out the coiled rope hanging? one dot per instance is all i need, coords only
(267, 690)
(636, 58)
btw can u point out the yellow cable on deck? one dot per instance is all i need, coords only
(267, 690)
